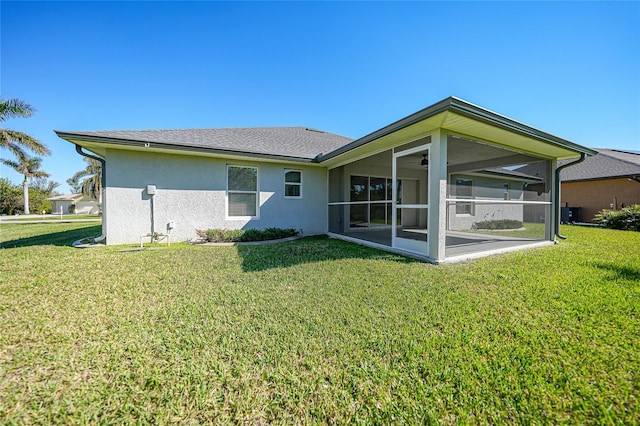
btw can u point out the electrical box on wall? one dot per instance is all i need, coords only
(151, 190)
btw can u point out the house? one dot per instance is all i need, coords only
(411, 187)
(74, 204)
(609, 180)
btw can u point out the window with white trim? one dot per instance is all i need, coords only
(242, 191)
(464, 189)
(292, 183)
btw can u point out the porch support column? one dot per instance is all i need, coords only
(554, 211)
(437, 227)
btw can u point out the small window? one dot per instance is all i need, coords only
(292, 183)
(464, 189)
(242, 191)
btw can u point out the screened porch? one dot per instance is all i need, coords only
(484, 203)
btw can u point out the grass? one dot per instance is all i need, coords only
(66, 217)
(528, 230)
(317, 331)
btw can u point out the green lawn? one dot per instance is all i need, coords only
(528, 230)
(65, 217)
(316, 331)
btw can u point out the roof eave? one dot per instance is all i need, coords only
(144, 145)
(481, 114)
(466, 109)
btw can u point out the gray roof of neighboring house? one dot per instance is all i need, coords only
(609, 163)
(282, 142)
(65, 197)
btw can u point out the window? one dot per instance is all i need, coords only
(359, 188)
(377, 190)
(242, 191)
(464, 189)
(292, 183)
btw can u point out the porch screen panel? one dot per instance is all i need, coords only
(497, 197)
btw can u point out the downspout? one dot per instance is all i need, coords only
(103, 181)
(556, 194)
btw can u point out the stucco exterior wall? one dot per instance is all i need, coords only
(56, 206)
(487, 189)
(191, 193)
(87, 207)
(593, 196)
(81, 207)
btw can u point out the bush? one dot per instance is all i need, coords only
(498, 224)
(11, 201)
(223, 235)
(239, 235)
(38, 201)
(627, 219)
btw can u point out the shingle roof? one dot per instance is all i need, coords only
(66, 197)
(295, 142)
(609, 163)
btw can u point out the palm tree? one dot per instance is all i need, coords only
(89, 180)
(15, 141)
(30, 168)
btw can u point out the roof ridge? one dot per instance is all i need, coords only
(201, 128)
(624, 152)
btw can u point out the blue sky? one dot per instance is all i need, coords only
(569, 68)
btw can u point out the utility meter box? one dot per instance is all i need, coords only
(151, 190)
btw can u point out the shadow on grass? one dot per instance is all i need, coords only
(59, 238)
(619, 271)
(308, 250)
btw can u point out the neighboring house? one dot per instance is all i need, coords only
(412, 187)
(609, 180)
(74, 204)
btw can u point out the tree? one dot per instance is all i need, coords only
(30, 168)
(74, 184)
(89, 180)
(15, 141)
(46, 186)
(10, 196)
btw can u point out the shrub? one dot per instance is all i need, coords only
(223, 235)
(627, 219)
(10, 197)
(239, 235)
(498, 224)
